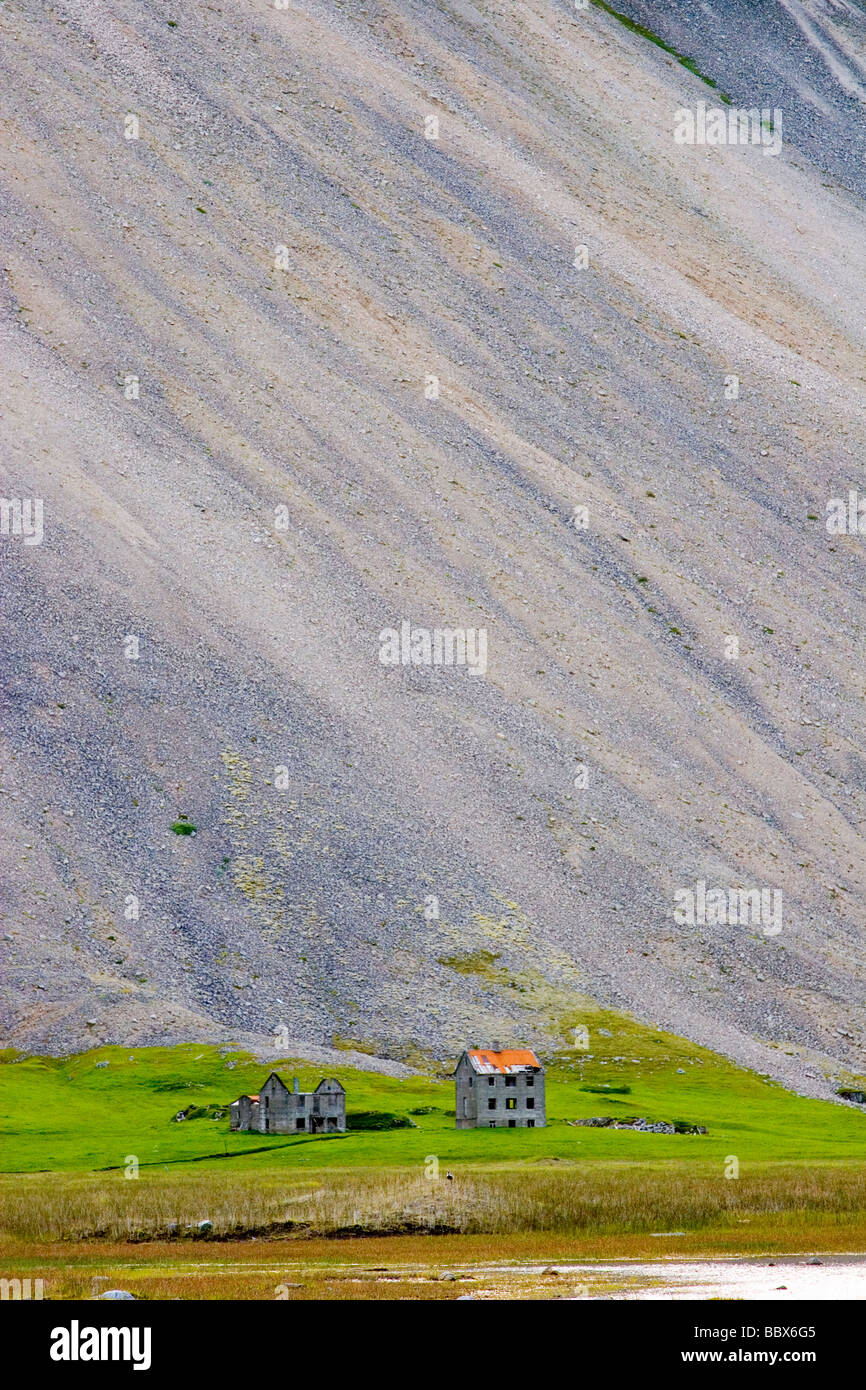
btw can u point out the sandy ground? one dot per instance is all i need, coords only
(783, 1281)
(267, 1272)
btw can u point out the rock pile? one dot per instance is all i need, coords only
(637, 1122)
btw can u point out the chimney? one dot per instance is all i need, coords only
(296, 1085)
(496, 1047)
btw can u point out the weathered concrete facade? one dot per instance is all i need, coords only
(244, 1113)
(499, 1089)
(278, 1109)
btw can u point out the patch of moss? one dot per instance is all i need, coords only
(353, 1045)
(645, 33)
(476, 963)
(377, 1119)
(201, 1112)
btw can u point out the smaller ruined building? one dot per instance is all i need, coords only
(499, 1089)
(277, 1109)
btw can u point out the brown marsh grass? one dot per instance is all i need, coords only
(563, 1200)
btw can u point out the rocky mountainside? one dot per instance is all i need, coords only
(332, 320)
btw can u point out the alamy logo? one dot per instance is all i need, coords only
(76, 1343)
(439, 646)
(847, 518)
(22, 516)
(720, 125)
(24, 1289)
(744, 907)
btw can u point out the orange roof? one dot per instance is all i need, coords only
(505, 1060)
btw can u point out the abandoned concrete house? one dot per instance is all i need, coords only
(278, 1110)
(499, 1088)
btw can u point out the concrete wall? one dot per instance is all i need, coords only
(502, 1102)
(283, 1110)
(242, 1113)
(466, 1094)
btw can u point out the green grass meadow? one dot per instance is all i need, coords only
(69, 1114)
(74, 1132)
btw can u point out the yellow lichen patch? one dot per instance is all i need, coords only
(251, 879)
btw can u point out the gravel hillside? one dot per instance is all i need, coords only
(324, 319)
